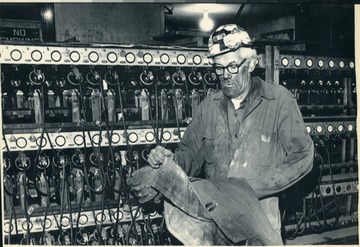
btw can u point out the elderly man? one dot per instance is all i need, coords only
(251, 140)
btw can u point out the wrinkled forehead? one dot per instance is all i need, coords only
(234, 56)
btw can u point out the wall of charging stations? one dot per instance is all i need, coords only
(77, 120)
(327, 199)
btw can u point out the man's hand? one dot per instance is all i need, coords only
(141, 182)
(146, 194)
(157, 156)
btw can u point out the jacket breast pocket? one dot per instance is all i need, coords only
(268, 147)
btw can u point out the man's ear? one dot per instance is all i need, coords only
(253, 62)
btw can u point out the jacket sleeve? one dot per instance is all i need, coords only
(190, 156)
(299, 153)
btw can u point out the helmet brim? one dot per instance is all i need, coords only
(230, 50)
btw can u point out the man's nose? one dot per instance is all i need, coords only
(227, 75)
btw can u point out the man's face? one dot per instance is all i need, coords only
(233, 85)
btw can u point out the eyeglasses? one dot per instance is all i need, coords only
(232, 68)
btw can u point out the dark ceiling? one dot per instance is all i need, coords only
(20, 11)
(184, 15)
(187, 16)
(177, 15)
(330, 26)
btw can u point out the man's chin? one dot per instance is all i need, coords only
(230, 93)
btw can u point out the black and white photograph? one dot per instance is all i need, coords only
(206, 123)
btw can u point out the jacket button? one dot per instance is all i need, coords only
(210, 206)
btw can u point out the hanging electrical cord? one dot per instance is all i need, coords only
(93, 212)
(118, 208)
(39, 150)
(10, 194)
(101, 174)
(111, 183)
(113, 168)
(70, 212)
(62, 201)
(153, 126)
(7, 192)
(109, 135)
(108, 209)
(320, 196)
(162, 230)
(6, 146)
(286, 233)
(79, 214)
(132, 224)
(97, 153)
(121, 175)
(176, 110)
(53, 213)
(24, 182)
(123, 114)
(47, 195)
(204, 88)
(85, 176)
(306, 214)
(115, 215)
(187, 97)
(12, 207)
(302, 230)
(296, 231)
(323, 207)
(41, 95)
(163, 125)
(100, 225)
(148, 227)
(158, 138)
(333, 184)
(45, 218)
(157, 116)
(48, 206)
(10, 216)
(45, 131)
(122, 184)
(133, 218)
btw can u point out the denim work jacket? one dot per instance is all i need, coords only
(272, 150)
